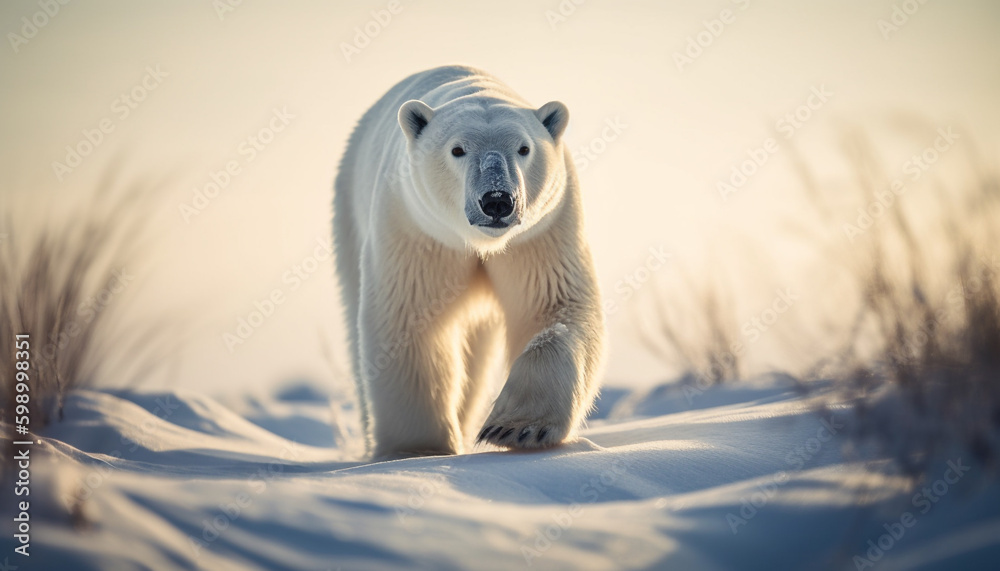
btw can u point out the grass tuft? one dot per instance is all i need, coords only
(61, 282)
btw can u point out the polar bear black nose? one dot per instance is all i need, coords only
(497, 204)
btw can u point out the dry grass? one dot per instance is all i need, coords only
(919, 353)
(59, 283)
(922, 364)
(702, 343)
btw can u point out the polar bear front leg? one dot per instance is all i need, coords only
(411, 358)
(550, 298)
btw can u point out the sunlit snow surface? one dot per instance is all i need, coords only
(728, 478)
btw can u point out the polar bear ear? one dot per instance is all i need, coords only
(554, 117)
(413, 117)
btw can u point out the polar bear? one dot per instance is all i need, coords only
(460, 250)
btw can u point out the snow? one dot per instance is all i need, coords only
(747, 476)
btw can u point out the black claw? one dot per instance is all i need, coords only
(506, 433)
(524, 434)
(494, 432)
(483, 433)
(541, 434)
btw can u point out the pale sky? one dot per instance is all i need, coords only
(213, 81)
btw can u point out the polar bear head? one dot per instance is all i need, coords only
(483, 170)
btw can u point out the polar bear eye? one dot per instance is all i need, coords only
(458, 152)
(523, 151)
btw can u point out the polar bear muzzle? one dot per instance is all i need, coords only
(493, 193)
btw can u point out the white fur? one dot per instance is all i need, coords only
(435, 303)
